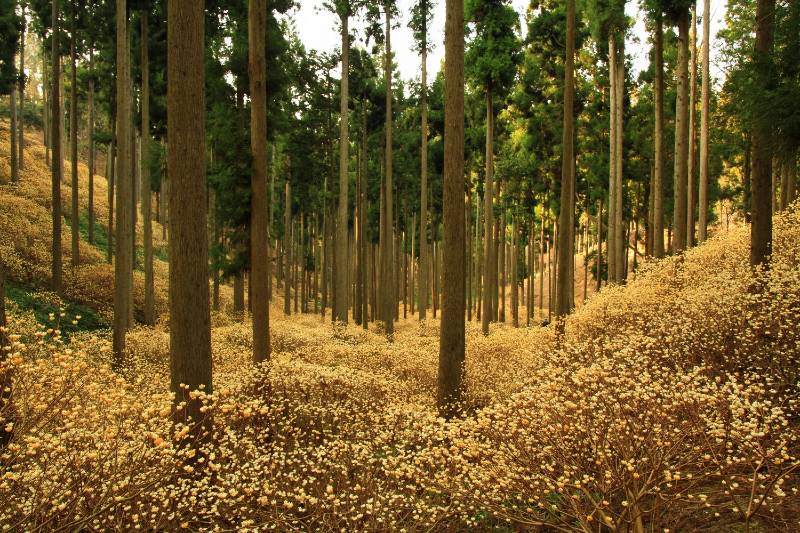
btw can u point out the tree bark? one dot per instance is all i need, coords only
(123, 265)
(147, 224)
(73, 144)
(13, 153)
(387, 243)
(190, 320)
(566, 237)
(259, 203)
(91, 146)
(761, 227)
(110, 180)
(620, 245)
(423, 218)
(681, 136)
(451, 341)
(21, 119)
(488, 219)
(340, 285)
(287, 247)
(658, 176)
(690, 184)
(56, 161)
(612, 165)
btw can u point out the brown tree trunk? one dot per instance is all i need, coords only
(340, 284)
(123, 265)
(619, 225)
(388, 288)
(287, 247)
(110, 180)
(681, 136)
(690, 184)
(761, 227)
(259, 203)
(57, 169)
(612, 165)
(91, 145)
(190, 320)
(147, 195)
(566, 237)
(658, 176)
(73, 145)
(21, 119)
(423, 218)
(488, 219)
(451, 341)
(13, 137)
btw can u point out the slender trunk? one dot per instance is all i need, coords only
(46, 106)
(619, 225)
(287, 247)
(190, 321)
(501, 262)
(73, 145)
(541, 269)
(658, 175)
(123, 259)
(681, 136)
(363, 211)
(586, 254)
(488, 218)
(599, 256)
(423, 218)
(110, 175)
(21, 119)
(147, 195)
(612, 165)
(91, 146)
(566, 242)
(340, 284)
(514, 274)
(13, 136)
(451, 340)
(690, 184)
(387, 298)
(57, 169)
(259, 203)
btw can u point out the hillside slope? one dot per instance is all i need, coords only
(26, 238)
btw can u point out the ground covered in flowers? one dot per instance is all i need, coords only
(670, 404)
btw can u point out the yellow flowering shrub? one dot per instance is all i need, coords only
(669, 404)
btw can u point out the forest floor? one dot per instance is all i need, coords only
(670, 403)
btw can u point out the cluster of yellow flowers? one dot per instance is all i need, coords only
(668, 404)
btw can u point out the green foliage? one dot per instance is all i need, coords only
(492, 54)
(10, 25)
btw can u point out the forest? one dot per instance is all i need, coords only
(399, 265)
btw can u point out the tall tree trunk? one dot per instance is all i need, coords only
(488, 219)
(599, 257)
(387, 299)
(423, 218)
(502, 262)
(566, 237)
(612, 160)
(13, 153)
(259, 203)
(451, 340)
(91, 145)
(190, 320)
(47, 104)
(681, 136)
(690, 184)
(704, 125)
(21, 119)
(287, 246)
(363, 211)
(658, 175)
(514, 277)
(110, 180)
(340, 285)
(123, 265)
(620, 245)
(73, 144)
(144, 165)
(56, 161)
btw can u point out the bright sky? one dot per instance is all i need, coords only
(317, 30)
